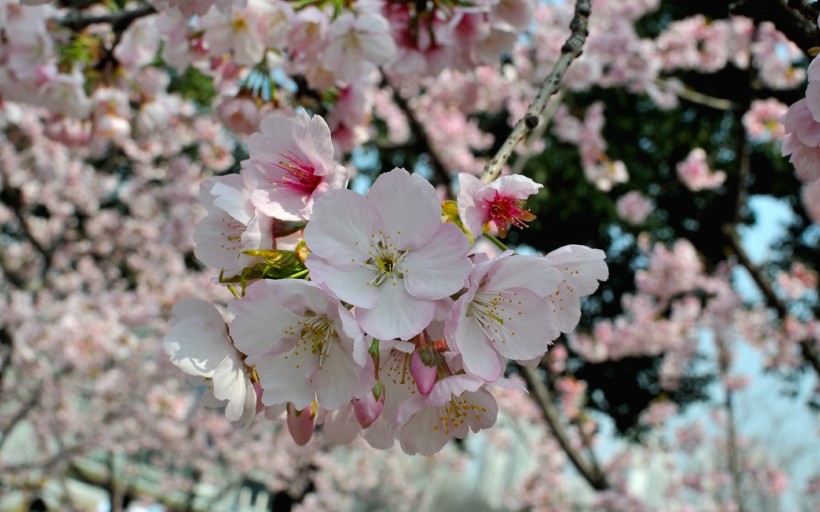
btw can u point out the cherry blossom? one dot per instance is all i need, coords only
(302, 344)
(504, 314)
(499, 203)
(695, 173)
(455, 406)
(387, 253)
(200, 346)
(291, 165)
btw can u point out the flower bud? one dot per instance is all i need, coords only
(301, 423)
(370, 406)
(424, 369)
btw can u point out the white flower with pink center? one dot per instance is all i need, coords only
(304, 344)
(501, 203)
(504, 314)
(387, 253)
(291, 165)
(232, 226)
(200, 346)
(456, 405)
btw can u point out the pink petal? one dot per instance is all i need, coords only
(438, 269)
(396, 314)
(408, 207)
(341, 226)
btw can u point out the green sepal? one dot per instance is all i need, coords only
(277, 265)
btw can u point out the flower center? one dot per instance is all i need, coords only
(315, 339)
(299, 175)
(506, 210)
(385, 259)
(455, 412)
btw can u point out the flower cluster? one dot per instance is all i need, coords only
(367, 314)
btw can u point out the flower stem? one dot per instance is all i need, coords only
(498, 243)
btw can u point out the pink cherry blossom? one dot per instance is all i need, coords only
(456, 405)
(695, 173)
(504, 314)
(581, 268)
(200, 346)
(303, 344)
(232, 226)
(387, 253)
(357, 44)
(802, 141)
(634, 207)
(499, 203)
(291, 165)
(762, 120)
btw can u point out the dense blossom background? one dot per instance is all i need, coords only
(675, 138)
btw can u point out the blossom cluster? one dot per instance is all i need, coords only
(367, 313)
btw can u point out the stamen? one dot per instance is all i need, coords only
(299, 175)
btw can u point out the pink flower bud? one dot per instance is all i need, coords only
(424, 373)
(301, 423)
(370, 406)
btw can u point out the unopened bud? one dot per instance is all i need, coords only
(301, 424)
(424, 373)
(370, 406)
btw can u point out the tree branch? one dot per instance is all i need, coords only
(807, 346)
(796, 19)
(570, 51)
(694, 96)
(549, 111)
(542, 396)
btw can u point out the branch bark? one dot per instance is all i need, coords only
(541, 394)
(570, 51)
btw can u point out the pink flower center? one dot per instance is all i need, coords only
(299, 175)
(506, 210)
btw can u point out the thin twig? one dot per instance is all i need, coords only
(543, 397)
(570, 51)
(549, 111)
(698, 97)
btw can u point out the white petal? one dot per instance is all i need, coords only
(396, 315)
(349, 284)
(261, 321)
(528, 272)
(284, 380)
(408, 207)
(439, 268)
(199, 342)
(477, 352)
(341, 226)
